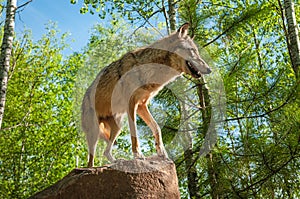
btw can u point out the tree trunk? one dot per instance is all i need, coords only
(190, 166)
(172, 15)
(192, 175)
(293, 38)
(212, 158)
(6, 49)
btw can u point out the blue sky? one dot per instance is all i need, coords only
(39, 12)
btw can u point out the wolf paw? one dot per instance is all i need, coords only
(109, 157)
(163, 154)
(139, 156)
(164, 157)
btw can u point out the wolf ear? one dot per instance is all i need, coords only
(183, 30)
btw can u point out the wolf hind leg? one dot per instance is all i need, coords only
(144, 113)
(92, 136)
(92, 143)
(112, 126)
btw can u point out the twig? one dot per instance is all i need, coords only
(263, 114)
(24, 4)
(229, 28)
(147, 21)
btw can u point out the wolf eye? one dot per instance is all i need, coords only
(193, 51)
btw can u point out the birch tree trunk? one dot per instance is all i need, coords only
(172, 15)
(6, 49)
(293, 37)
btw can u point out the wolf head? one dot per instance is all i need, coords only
(185, 47)
(187, 56)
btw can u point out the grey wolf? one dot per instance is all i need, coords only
(128, 84)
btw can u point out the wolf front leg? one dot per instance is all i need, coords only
(144, 113)
(133, 130)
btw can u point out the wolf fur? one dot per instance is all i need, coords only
(127, 85)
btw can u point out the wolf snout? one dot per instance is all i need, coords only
(208, 70)
(203, 67)
(199, 66)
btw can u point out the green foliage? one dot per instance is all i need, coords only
(257, 153)
(39, 137)
(132, 10)
(136, 12)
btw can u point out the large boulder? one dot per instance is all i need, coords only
(149, 178)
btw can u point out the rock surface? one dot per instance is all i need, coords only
(136, 179)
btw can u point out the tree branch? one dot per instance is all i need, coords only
(261, 181)
(243, 18)
(24, 4)
(289, 98)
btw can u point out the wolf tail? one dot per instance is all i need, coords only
(89, 123)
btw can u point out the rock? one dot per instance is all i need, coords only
(135, 179)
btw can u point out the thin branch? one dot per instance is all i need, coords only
(258, 116)
(240, 56)
(231, 27)
(147, 21)
(23, 5)
(166, 16)
(262, 181)
(18, 125)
